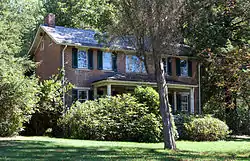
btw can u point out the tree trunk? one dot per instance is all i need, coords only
(169, 141)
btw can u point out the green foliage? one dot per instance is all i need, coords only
(18, 21)
(49, 108)
(149, 97)
(206, 129)
(219, 32)
(17, 95)
(112, 118)
(81, 13)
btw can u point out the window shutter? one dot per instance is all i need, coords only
(178, 99)
(90, 59)
(74, 95)
(91, 95)
(99, 60)
(178, 67)
(114, 62)
(74, 58)
(170, 66)
(164, 64)
(190, 70)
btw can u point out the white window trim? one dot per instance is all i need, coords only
(80, 90)
(103, 62)
(87, 57)
(186, 103)
(187, 68)
(140, 72)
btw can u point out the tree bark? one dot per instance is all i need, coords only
(169, 141)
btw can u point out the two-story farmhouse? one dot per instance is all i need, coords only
(97, 69)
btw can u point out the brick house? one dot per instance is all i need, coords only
(99, 69)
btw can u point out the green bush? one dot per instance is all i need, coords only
(150, 97)
(49, 107)
(120, 118)
(206, 129)
(17, 95)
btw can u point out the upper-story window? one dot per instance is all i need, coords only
(184, 67)
(42, 45)
(107, 61)
(82, 59)
(167, 65)
(134, 64)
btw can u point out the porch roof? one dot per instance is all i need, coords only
(138, 80)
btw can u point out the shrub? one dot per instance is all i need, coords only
(49, 107)
(119, 118)
(17, 95)
(149, 97)
(206, 129)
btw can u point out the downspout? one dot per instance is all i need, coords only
(199, 71)
(63, 76)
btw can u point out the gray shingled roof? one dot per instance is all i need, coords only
(81, 37)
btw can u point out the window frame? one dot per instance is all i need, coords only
(166, 64)
(184, 103)
(181, 73)
(78, 94)
(111, 61)
(141, 71)
(42, 45)
(87, 61)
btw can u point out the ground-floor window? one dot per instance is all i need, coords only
(83, 95)
(80, 94)
(184, 102)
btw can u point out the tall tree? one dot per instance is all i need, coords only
(18, 21)
(81, 13)
(220, 32)
(153, 26)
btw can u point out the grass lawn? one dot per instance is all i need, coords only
(45, 148)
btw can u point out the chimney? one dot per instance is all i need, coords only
(50, 20)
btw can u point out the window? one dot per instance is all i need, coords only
(184, 102)
(167, 65)
(42, 45)
(82, 59)
(183, 68)
(107, 61)
(134, 64)
(82, 95)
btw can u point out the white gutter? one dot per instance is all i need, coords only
(63, 74)
(199, 72)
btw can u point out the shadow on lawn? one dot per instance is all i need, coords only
(239, 139)
(44, 150)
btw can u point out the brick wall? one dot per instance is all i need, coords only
(50, 61)
(48, 58)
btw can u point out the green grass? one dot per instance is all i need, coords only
(44, 148)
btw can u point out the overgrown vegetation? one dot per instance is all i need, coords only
(49, 108)
(206, 129)
(120, 118)
(18, 95)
